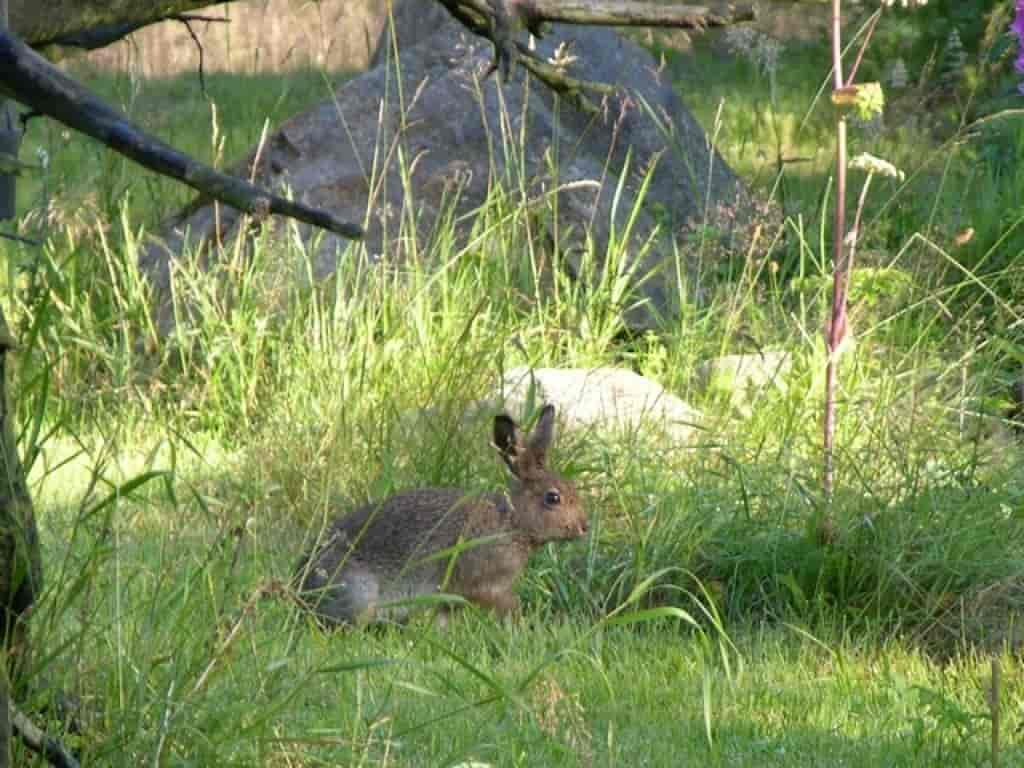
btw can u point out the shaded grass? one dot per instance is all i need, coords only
(181, 655)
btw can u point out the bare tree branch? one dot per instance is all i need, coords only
(531, 14)
(29, 78)
(102, 36)
(501, 20)
(35, 739)
(635, 13)
(89, 23)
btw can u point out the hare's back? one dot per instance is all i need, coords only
(422, 519)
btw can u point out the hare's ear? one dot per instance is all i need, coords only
(508, 440)
(543, 433)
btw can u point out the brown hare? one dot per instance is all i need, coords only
(432, 540)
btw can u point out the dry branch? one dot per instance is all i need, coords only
(56, 23)
(635, 13)
(102, 36)
(35, 739)
(500, 20)
(29, 78)
(88, 23)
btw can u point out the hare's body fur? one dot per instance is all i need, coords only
(495, 553)
(433, 540)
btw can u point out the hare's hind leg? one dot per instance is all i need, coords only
(349, 596)
(354, 595)
(502, 600)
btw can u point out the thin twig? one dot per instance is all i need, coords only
(199, 17)
(36, 740)
(20, 239)
(199, 47)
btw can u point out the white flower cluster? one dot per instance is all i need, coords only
(898, 75)
(760, 49)
(876, 165)
(740, 40)
(905, 3)
(766, 54)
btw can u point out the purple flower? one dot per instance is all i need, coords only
(1017, 27)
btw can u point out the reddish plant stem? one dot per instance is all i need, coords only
(837, 324)
(864, 45)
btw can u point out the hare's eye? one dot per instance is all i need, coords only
(552, 498)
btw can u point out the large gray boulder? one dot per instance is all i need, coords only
(452, 125)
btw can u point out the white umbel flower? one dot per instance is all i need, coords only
(877, 166)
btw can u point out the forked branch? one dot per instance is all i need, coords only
(635, 13)
(500, 21)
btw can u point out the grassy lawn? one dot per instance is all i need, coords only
(720, 613)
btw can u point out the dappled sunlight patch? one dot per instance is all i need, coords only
(70, 471)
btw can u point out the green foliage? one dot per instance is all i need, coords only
(932, 24)
(959, 53)
(870, 101)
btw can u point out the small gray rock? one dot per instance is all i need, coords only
(602, 398)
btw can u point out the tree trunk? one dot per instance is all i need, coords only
(20, 565)
(20, 562)
(9, 140)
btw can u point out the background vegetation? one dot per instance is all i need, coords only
(719, 611)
